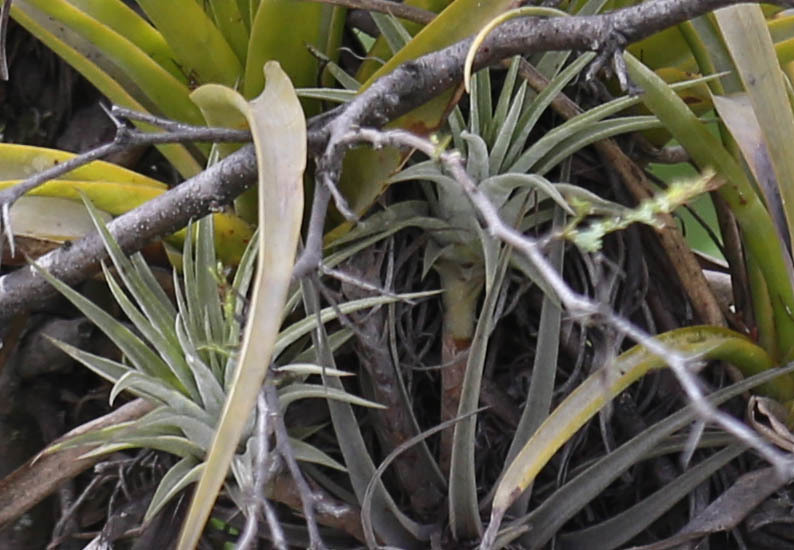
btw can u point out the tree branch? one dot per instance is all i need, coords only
(23, 289)
(407, 87)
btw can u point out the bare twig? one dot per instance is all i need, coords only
(285, 450)
(408, 86)
(262, 474)
(5, 11)
(414, 82)
(40, 476)
(125, 138)
(180, 132)
(23, 289)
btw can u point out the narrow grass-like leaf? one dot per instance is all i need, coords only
(293, 392)
(464, 512)
(619, 529)
(505, 101)
(567, 129)
(175, 445)
(329, 94)
(594, 393)
(152, 284)
(309, 453)
(335, 342)
(566, 501)
(207, 287)
(196, 430)
(155, 390)
(138, 353)
(499, 188)
(544, 366)
(537, 106)
(160, 313)
(307, 369)
(504, 133)
(169, 351)
(482, 106)
(211, 394)
(388, 521)
(597, 131)
(303, 327)
(392, 31)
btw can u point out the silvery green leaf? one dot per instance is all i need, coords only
(433, 251)
(504, 135)
(136, 351)
(392, 30)
(303, 327)
(464, 507)
(484, 102)
(335, 340)
(168, 350)
(348, 82)
(148, 278)
(192, 315)
(477, 159)
(293, 392)
(154, 390)
(210, 392)
(309, 453)
(572, 126)
(183, 473)
(537, 106)
(520, 262)
(457, 124)
(382, 221)
(93, 437)
(427, 170)
(595, 204)
(194, 429)
(499, 188)
(175, 445)
(480, 107)
(388, 520)
(106, 368)
(205, 263)
(490, 254)
(159, 312)
(307, 369)
(505, 100)
(595, 132)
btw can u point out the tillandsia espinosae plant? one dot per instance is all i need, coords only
(494, 235)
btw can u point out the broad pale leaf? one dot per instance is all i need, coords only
(279, 131)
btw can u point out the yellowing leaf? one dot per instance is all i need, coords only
(51, 219)
(22, 161)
